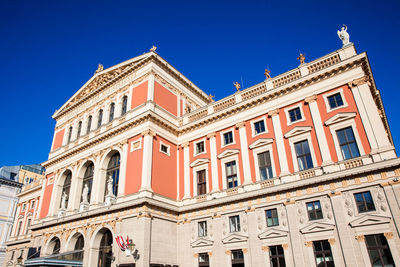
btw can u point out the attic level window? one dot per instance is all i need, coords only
(335, 100)
(295, 114)
(200, 147)
(124, 105)
(259, 127)
(164, 149)
(228, 138)
(69, 135)
(100, 118)
(111, 116)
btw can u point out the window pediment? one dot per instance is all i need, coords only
(298, 130)
(261, 142)
(202, 242)
(199, 162)
(340, 117)
(272, 233)
(228, 152)
(369, 220)
(317, 227)
(234, 238)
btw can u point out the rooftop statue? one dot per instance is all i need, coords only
(237, 85)
(344, 35)
(100, 68)
(153, 49)
(267, 74)
(302, 58)
(211, 97)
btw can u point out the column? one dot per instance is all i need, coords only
(392, 201)
(246, 257)
(392, 246)
(350, 251)
(244, 150)
(309, 254)
(186, 170)
(319, 130)
(99, 181)
(178, 171)
(228, 260)
(294, 235)
(75, 190)
(364, 252)
(55, 195)
(118, 107)
(286, 251)
(274, 114)
(150, 88)
(336, 254)
(148, 136)
(214, 162)
(122, 172)
(267, 261)
(44, 184)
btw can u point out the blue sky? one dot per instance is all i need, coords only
(49, 49)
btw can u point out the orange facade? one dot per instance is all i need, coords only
(48, 190)
(165, 98)
(134, 165)
(58, 139)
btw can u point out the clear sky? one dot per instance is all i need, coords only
(49, 49)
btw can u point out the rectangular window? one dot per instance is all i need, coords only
(19, 228)
(265, 166)
(200, 147)
(314, 210)
(272, 217)
(347, 143)
(303, 154)
(234, 223)
(323, 253)
(201, 182)
(164, 149)
(231, 174)
(202, 228)
(335, 100)
(237, 258)
(228, 138)
(23, 207)
(277, 256)
(295, 114)
(379, 251)
(32, 204)
(204, 260)
(27, 225)
(364, 202)
(259, 127)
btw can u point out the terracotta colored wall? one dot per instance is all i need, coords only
(58, 139)
(164, 169)
(164, 98)
(307, 122)
(139, 95)
(134, 167)
(351, 107)
(193, 158)
(46, 196)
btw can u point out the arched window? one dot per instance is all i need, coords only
(69, 135)
(105, 250)
(113, 171)
(124, 105)
(80, 243)
(112, 108)
(66, 189)
(89, 124)
(56, 246)
(79, 129)
(100, 118)
(88, 180)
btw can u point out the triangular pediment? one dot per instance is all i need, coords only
(340, 117)
(100, 78)
(233, 238)
(228, 152)
(202, 242)
(261, 142)
(298, 130)
(199, 162)
(369, 220)
(273, 233)
(317, 227)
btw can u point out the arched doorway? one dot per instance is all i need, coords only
(54, 246)
(105, 249)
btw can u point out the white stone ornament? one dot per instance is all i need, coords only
(344, 35)
(64, 201)
(110, 197)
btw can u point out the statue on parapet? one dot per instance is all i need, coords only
(237, 86)
(302, 58)
(99, 68)
(153, 48)
(344, 35)
(267, 74)
(211, 97)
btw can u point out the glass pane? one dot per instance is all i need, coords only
(354, 150)
(346, 152)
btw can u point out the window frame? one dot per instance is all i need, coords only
(206, 263)
(347, 143)
(32, 204)
(259, 150)
(314, 211)
(277, 256)
(334, 92)
(223, 137)
(378, 247)
(277, 217)
(124, 105)
(322, 252)
(237, 224)
(253, 126)
(111, 112)
(89, 124)
(100, 118)
(225, 160)
(204, 222)
(364, 202)
(168, 152)
(236, 176)
(299, 138)
(195, 153)
(203, 166)
(298, 105)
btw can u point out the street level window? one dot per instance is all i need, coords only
(200, 147)
(303, 155)
(295, 114)
(364, 201)
(379, 251)
(234, 223)
(323, 253)
(314, 210)
(277, 256)
(265, 166)
(347, 143)
(335, 100)
(237, 258)
(202, 228)
(204, 260)
(272, 217)
(201, 182)
(228, 138)
(231, 174)
(259, 127)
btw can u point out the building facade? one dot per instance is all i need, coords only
(298, 170)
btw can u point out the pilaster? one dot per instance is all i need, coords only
(283, 162)
(122, 174)
(150, 88)
(214, 162)
(147, 160)
(244, 152)
(186, 170)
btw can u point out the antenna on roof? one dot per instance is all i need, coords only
(241, 78)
